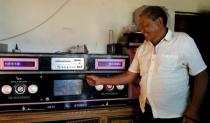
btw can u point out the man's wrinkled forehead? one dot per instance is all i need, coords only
(144, 18)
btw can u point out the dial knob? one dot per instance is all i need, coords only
(99, 87)
(32, 89)
(6, 89)
(120, 87)
(20, 88)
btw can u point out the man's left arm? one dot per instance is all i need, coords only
(199, 90)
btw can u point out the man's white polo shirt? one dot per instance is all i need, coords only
(164, 71)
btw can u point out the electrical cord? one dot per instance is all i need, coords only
(37, 26)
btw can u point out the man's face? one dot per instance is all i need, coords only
(149, 28)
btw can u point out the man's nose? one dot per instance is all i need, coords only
(141, 30)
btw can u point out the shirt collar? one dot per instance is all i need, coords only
(168, 35)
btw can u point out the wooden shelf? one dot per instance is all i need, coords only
(103, 114)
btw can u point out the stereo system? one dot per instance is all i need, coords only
(48, 81)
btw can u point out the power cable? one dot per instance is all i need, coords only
(37, 26)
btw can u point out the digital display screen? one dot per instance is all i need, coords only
(109, 64)
(68, 87)
(67, 64)
(18, 63)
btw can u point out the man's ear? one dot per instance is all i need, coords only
(159, 21)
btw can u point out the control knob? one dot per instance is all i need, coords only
(99, 87)
(32, 89)
(120, 87)
(20, 88)
(6, 89)
(109, 87)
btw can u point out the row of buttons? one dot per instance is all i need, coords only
(19, 89)
(109, 87)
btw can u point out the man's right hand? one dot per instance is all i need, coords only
(92, 80)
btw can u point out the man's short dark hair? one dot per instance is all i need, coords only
(154, 12)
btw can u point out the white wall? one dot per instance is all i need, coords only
(28, 22)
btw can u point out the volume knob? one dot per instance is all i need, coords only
(20, 88)
(6, 89)
(32, 89)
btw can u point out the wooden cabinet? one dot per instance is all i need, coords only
(123, 119)
(126, 114)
